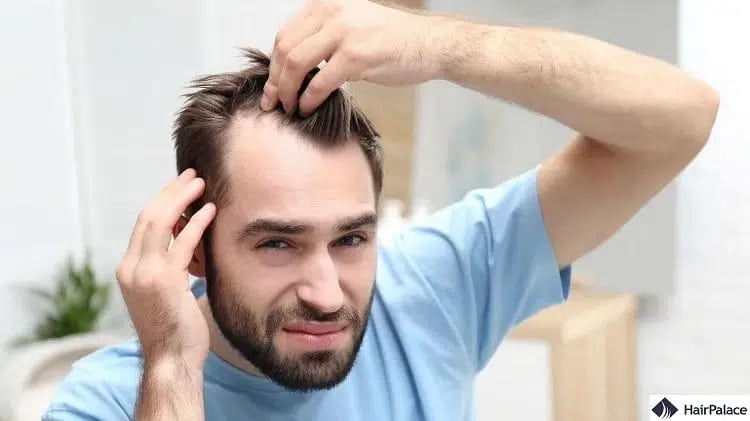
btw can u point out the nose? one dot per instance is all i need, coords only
(320, 288)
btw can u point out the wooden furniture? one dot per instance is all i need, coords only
(592, 352)
(392, 111)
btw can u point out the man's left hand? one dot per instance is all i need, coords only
(358, 40)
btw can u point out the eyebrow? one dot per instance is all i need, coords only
(296, 227)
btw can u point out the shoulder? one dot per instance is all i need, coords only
(467, 234)
(103, 385)
(474, 268)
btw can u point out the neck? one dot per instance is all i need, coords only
(221, 347)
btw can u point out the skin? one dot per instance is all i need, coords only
(639, 121)
(327, 268)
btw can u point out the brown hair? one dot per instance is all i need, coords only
(201, 125)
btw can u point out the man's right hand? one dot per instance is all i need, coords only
(153, 277)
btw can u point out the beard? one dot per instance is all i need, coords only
(253, 339)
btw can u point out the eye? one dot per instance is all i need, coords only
(274, 245)
(352, 240)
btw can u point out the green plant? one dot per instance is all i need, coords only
(74, 305)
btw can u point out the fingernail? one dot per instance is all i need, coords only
(265, 103)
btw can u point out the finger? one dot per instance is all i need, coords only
(296, 30)
(300, 61)
(334, 74)
(186, 242)
(164, 215)
(136, 237)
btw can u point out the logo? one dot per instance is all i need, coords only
(664, 409)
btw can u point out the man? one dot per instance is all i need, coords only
(307, 315)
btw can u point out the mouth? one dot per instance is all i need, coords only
(316, 335)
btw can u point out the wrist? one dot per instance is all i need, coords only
(166, 355)
(168, 368)
(437, 45)
(169, 390)
(455, 46)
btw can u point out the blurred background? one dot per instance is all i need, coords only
(88, 93)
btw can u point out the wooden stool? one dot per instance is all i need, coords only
(593, 354)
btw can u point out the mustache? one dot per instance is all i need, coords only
(280, 316)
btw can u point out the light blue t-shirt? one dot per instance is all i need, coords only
(447, 291)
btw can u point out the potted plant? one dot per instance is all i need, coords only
(74, 305)
(67, 331)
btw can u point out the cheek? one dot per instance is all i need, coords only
(357, 275)
(260, 289)
(255, 285)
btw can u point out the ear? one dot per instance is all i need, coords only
(197, 266)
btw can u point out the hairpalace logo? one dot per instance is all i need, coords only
(664, 409)
(699, 407)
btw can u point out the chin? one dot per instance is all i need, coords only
(313, 370)
(309, 367)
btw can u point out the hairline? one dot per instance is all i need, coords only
(247, 112)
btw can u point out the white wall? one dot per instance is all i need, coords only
(88, 100)
(458, 129)
(137, 59)
(39, 214)
(231, 24)
(133, 59)
(699, 341)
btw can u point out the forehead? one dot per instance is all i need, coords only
(274, 172)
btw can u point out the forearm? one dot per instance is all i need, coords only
(602, 91)
(170, 391)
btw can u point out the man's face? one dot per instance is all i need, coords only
(294, 254)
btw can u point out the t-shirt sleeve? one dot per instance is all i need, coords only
(98, 387)
(86, 400)
(487, 262)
